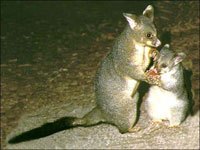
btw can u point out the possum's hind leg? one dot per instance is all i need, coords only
(176, 117)
(129, 119)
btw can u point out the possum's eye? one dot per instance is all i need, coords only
(163, 65)
(149, 35)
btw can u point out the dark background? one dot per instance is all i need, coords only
(39, 20)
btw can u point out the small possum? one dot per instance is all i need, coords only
(168, 101)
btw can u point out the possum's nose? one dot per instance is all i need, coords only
(157, 42)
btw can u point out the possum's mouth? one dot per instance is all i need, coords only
(151, 46)
(155, 43)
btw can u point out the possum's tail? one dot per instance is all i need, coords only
(94, 117)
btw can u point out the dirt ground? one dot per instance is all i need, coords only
(50, 51)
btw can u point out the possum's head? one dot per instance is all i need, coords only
(168, 59)
(142, 27)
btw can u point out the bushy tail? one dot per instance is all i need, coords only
(94, 117)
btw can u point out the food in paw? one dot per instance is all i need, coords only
(152, 72)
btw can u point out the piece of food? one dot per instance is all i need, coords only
(152, 72)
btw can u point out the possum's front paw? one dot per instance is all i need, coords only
(177, 126)
(174, 123)
(154, 53)
(152, 77)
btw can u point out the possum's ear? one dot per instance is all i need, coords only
(166, 46)
(149, 12)
(179, 58)
(131, 20)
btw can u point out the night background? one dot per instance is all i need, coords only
(50, 51)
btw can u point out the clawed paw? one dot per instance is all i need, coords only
(134, 129)
(174, 126)
(152, 77)
(154, 54)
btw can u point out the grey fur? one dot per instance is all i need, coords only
(173, 102)
(118, 106)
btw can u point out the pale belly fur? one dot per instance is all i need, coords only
(131, 85)
(159, 102)
(143, 60)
